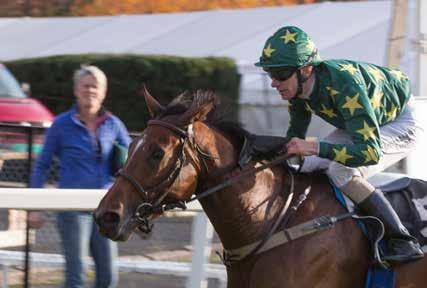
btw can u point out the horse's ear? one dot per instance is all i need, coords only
(154, 107)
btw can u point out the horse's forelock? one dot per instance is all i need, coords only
(185, 101)
(202, 98)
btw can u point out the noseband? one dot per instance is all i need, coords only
(143, 212)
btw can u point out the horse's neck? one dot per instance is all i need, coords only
(243, 212)
(214, 143)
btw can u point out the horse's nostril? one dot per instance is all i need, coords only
(110, 218)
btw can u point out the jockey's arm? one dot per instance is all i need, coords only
(300, 118)
(363, 127)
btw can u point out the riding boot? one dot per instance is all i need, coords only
(402, 247)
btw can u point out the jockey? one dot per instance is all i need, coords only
(372, 110)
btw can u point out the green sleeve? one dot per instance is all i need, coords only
(361, 123)
(300, 118)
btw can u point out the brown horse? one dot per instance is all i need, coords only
(180, 154)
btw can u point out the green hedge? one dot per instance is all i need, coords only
(165, 76)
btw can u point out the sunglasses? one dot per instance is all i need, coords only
(282, 74)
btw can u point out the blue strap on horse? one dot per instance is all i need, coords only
(380, 278)
(377, 277)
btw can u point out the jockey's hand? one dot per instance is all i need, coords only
(302, 147)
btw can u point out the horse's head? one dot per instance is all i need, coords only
(163, 166)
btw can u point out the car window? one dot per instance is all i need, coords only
(9, 87)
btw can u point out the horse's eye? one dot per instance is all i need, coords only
(158, 155)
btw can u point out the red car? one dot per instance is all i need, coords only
(17, 108)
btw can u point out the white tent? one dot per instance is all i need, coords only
(354, 30)
(339, 29)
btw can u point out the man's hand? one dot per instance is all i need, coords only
(302, 147)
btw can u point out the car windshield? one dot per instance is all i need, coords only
(9, 87)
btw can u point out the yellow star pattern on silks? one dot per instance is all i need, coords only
(310, 45)
(398, 74)
(391, 115)
(341, 155)
(367, 131)
(328, 112)
(289, 106)
(370, 155)
(308, 108)
(268, 51)
(348, 67)
(352, 104)
(289, 37)
(376, 99)
(377, 74)
(331, 91)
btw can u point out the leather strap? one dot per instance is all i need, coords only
(286, 235)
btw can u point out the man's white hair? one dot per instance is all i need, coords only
(91, 70)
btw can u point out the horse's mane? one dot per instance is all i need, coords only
(233, 129)
(197, 100)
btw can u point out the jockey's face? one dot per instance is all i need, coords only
(287, 88)
(286, 82)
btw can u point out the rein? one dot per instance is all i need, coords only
(274, 237)
(144, 211)
(235, 179)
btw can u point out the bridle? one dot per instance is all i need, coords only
(141, 217)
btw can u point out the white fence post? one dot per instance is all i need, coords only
(201, 241)
(5, 269)
(70, 199)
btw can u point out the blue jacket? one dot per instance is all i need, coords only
(84, 158)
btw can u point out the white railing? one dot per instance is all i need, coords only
(88, 199)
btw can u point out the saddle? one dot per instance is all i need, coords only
(256, 147)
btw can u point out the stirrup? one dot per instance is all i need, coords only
(408, 251)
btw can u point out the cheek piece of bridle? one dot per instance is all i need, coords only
(141, 218)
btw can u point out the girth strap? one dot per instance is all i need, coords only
(284, 236)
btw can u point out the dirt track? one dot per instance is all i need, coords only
(170, 240)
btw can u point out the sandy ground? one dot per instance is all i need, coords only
(170, 241)
(51, 278)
